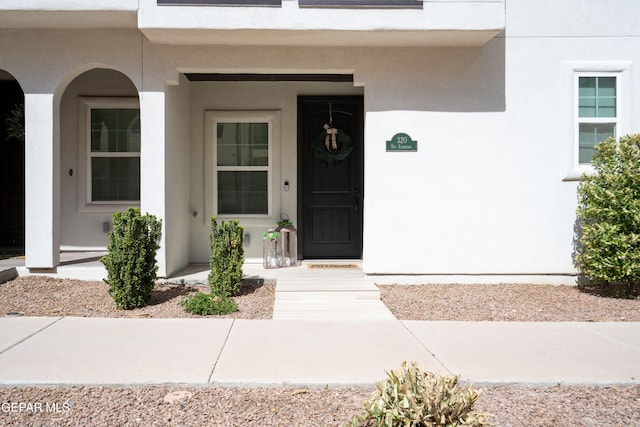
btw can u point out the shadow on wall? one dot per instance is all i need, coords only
(442, 79)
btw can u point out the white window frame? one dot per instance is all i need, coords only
(87, 104)
(212, 118)
(575, 70)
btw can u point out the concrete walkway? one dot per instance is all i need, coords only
(329, 328)
(226, 352)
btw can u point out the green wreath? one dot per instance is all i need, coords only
(331, 147)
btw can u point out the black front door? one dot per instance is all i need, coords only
(330, 185)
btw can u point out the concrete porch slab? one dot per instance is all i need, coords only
(534, 353)
(314, 353)
(117, 351)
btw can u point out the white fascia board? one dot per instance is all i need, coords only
(69, 5)
(446, 21)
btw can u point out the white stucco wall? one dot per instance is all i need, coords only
(488, 191)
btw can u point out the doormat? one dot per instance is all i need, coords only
(337, 265)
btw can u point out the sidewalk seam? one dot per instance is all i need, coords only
(30, 335)
(224, 345)
(425, 347)
(608, 338)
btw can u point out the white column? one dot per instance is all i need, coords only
(42, 182)
(153, 165)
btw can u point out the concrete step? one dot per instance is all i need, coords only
(328, 294)
(331, 308)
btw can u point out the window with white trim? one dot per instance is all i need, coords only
(243, 166)
(597, 112)
(113, 151)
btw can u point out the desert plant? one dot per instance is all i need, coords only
(227, 258)
(412, 397)
(208, 304)
(608, 252)
(131, 261)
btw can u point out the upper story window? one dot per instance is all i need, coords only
(597, 112)
(219, 2)
(113, 152)
(302, 3)
(361, 3)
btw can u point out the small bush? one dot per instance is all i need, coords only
(131, 261)
(608, 252)
(415, 398)
(227, 258)
(208, 304)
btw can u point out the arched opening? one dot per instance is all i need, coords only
(11, 166)
(99, 156)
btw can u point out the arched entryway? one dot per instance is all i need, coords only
(11, 166)
(99, 156)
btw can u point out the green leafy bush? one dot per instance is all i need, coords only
(227, 258)
(414, 398)
(608, 252)
(131, 261)
(208, 304)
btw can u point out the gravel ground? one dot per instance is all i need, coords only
(524, 303)
(192, 406)
(208, 406)
(45, 296)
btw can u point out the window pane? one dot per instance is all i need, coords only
(597, 97)
(243, 144)
(115, 179)
(587, 86)
(587, 107)
(607, 86)
(590, 135)
(606, 107)
(242, 192)
(115, 130)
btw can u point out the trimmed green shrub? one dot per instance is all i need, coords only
(208, 304)
(131, 261)
(608, 252)
(415, 398)
(227, 258)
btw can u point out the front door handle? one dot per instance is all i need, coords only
(355, 205)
